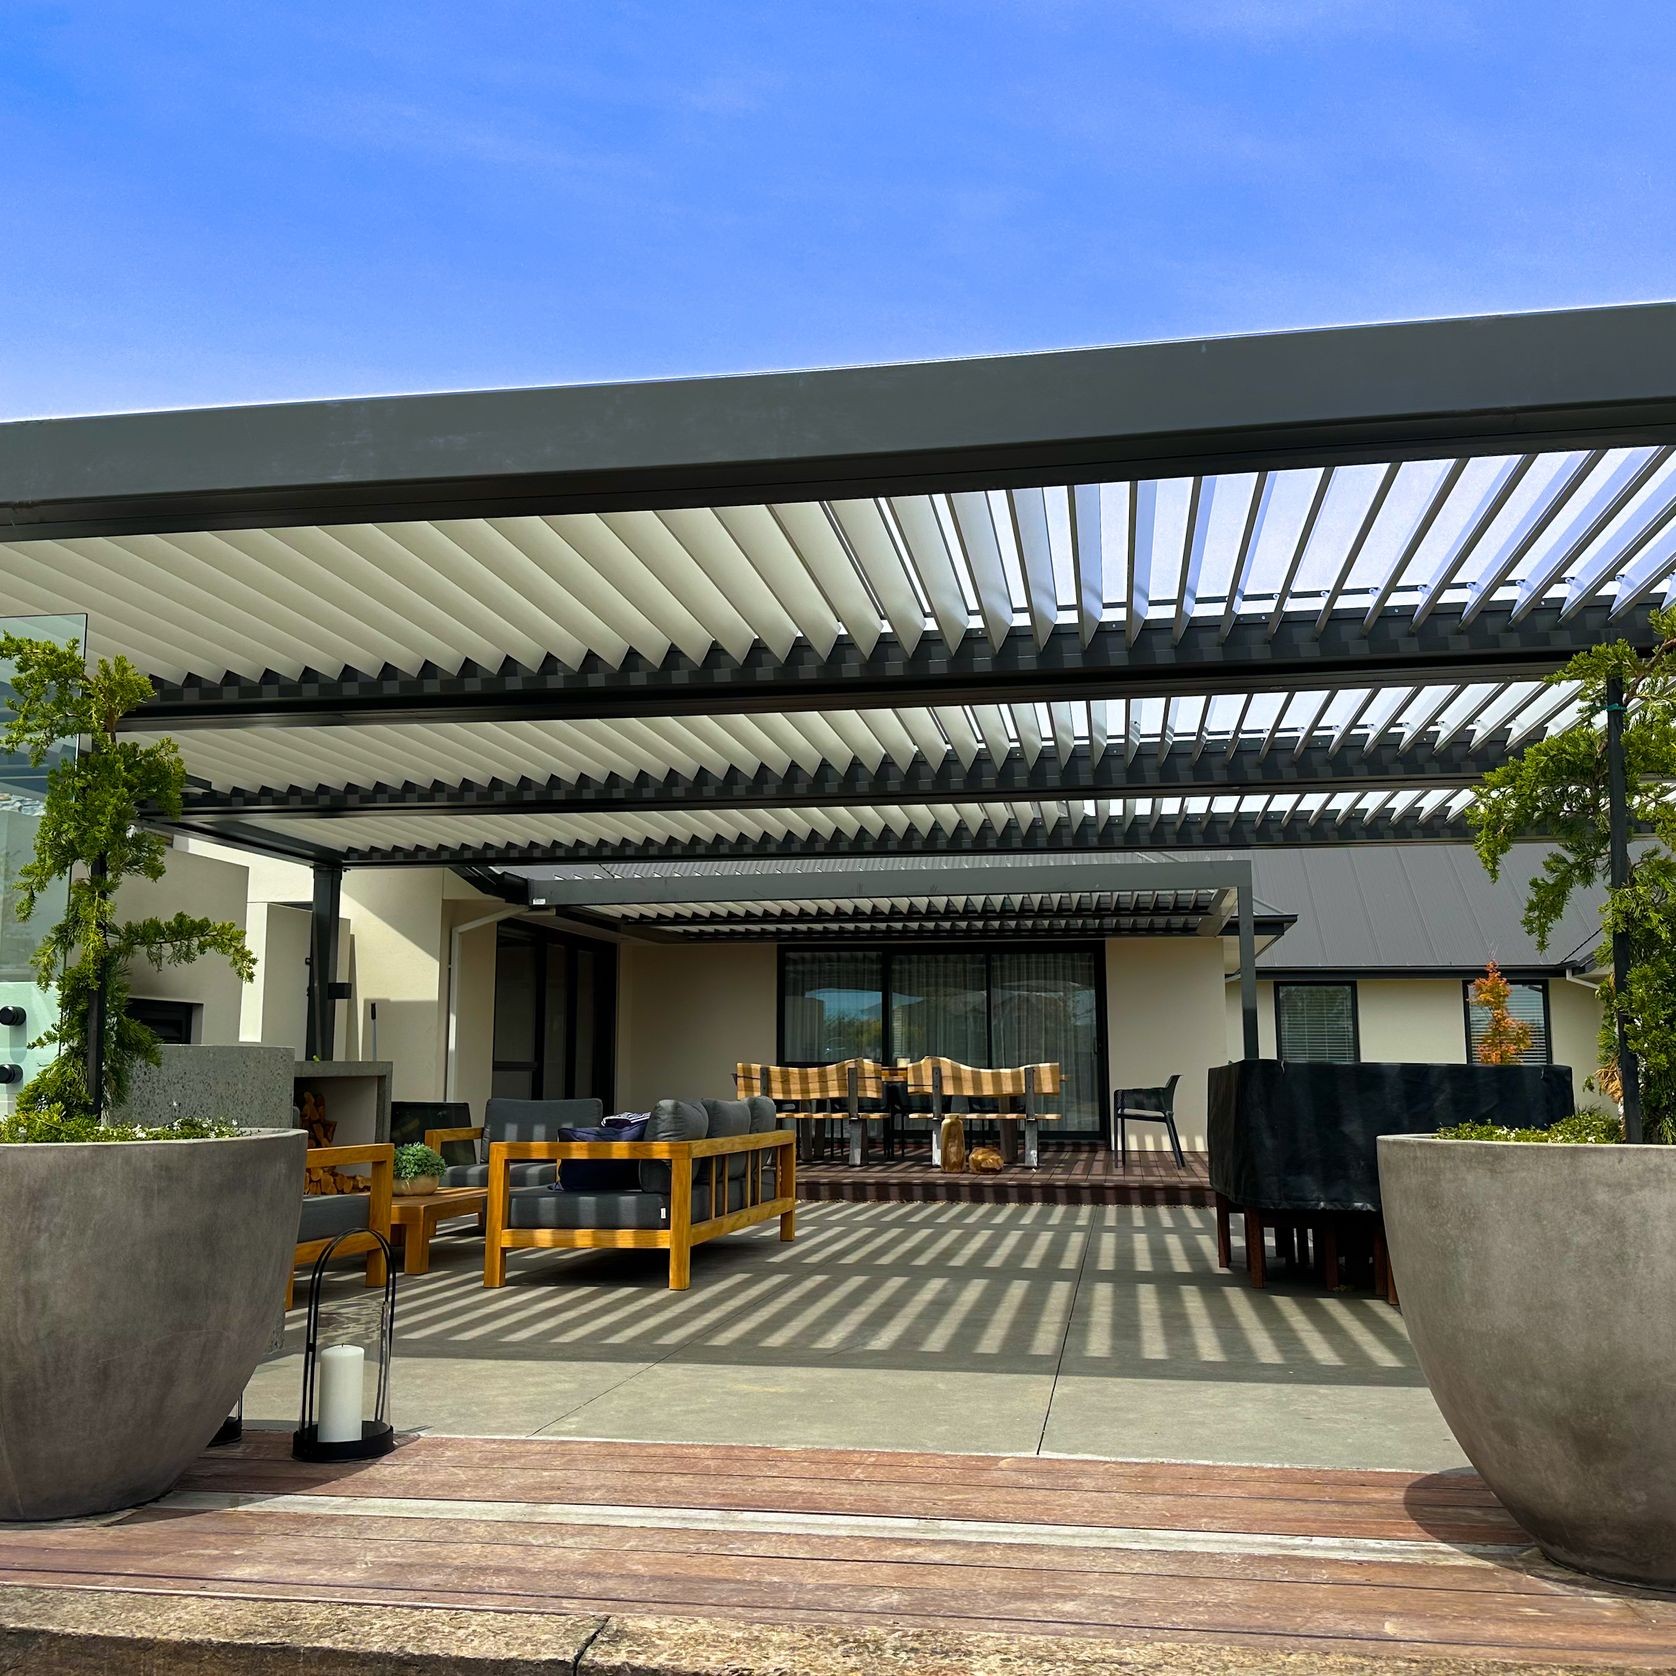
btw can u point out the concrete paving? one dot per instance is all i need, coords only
(1012, 1329)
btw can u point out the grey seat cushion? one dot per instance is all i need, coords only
(671, 1120)
(536, 1120)
(729, 1118)
(326, 1215)
(539, 1207)
(477, 1175)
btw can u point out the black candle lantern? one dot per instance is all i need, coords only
(348, 1348)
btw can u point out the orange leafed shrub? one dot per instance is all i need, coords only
(1506, 1039)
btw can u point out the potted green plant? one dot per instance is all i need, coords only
(418, 1169)
(1536, 1280)
(143, 1278)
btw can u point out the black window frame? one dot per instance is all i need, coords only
(1322, 983)
(888, 952)
(155, 1010)
(1540, 984)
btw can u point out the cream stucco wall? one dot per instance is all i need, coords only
(686, 1016)
(1421, 1021)
(1164, 1002)
(194, 884)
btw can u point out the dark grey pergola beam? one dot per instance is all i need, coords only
(1161, 832)
(808, 884)
(1492, 384)
(1249, 767)
(1160, 662)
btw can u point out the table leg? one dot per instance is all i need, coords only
(416, 1245)
(1032, 1135)
(1256, 1258)
(1224, 1240)
(936, 1143)
(858, 1141)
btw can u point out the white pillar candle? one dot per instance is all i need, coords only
(341, 1368)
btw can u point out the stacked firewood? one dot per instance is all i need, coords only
(329, 1180)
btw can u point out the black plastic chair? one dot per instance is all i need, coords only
(1146, 1105)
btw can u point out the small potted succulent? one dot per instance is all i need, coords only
(418, 1169)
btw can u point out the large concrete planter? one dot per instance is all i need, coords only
(139, 1286)
(1538, 1284)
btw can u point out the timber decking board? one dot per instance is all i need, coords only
(1083, 1175)
(555, 1525)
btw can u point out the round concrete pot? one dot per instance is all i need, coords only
(416, 1187)
(139, 1286)
(1537, 1283)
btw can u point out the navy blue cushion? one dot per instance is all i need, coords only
(601, 1175)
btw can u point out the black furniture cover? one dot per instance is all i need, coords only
(1291, 1136)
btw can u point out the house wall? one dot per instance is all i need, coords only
(195, 884)
(1421, 1021)
(1163, 1000)
(687, 1016)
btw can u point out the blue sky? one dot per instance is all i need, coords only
(230, 200)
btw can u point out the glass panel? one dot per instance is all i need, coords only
(832, 1005)
(515, 987)
(1044, 1006)
(587, 979)
(1316, 1022)
(939, 1003)
(555, 1027)
(21, 791)
(513, 1085)
(1527, 1001)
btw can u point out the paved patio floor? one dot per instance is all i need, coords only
(1005, 1329)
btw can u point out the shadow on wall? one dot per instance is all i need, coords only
(409, 1035)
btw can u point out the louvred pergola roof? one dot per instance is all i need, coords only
(1294, 589)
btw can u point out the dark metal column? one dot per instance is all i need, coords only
(94, 1068)
(1248, 972)
(323, 960)
(1629, 1068)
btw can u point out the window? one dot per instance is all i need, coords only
(1526, 1001)
(1015, 1006)
(1317, 1022)
(172, 1022)
(555, 1015)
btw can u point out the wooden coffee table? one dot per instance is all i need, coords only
(418, 1214)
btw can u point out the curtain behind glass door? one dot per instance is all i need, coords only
(1044, 1005)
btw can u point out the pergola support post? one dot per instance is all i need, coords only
(323, 960)
(1248, 970)
(1617, 794)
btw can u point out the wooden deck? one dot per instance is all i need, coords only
(1377, 1563)
(1068, 1176)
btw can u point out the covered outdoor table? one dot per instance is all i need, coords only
(1298, 1139)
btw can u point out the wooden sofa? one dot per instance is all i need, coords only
(357, 1216)
(692, 1185)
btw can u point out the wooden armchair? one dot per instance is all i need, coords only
(357, 1216)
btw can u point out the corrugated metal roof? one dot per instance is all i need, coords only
(1412, 906)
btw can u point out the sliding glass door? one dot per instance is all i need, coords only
(980, 1006)
(555, 1015)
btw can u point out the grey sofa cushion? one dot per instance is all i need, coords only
(477, 1175)
(728, 1118)
(540, 1207)
(671, 1120)
(536, 1120)
(326, 1215)
(543, 1207)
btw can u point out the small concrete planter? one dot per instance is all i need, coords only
(1538, 1283)
(140, 1283)
(416, 1186)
